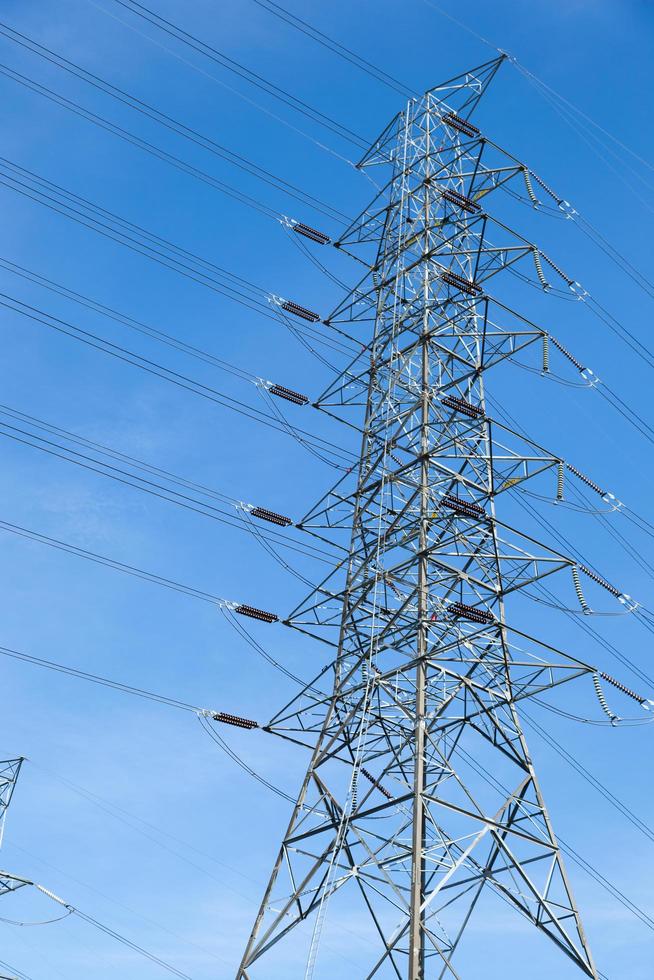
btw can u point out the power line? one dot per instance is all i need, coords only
(215, 737)
(553, 94)
(112, 225)
(145, 827)
(149, 147)
(603, 790)
(97, 679)
(148, 330)
(139, 142)
(335, 47)
(578, 621)
(543, 85)
(174, 125)
(15, 974)
(159, 250)
(132, 820)
(335, 455)
(597, 876)
(240, 519)
(118, 566)
(255, 79)
(139, 326)
(107, 930)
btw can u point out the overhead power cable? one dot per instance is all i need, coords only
(228, 608)
(144, 242)
(132, 323)
(603, 790)
(328, 451)
(239, 517)
(107, 930)
(150, 38)
(230, 64)
(159, 250)
(118, 566)
(174, 125)
(138, 239)
(226, 605)
(133, 236)
(600, 516)
(552, 92)
(141, 143)
(168, 339)
(566, 109)
(148, 830)
(127, 688)
(215, 737)
(613, 253)
(13, 974)
(97, 679)
(151, 148)
(579, 621)
(571, 852)
(204, 716)
(304, 27)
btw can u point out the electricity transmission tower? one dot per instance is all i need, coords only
(421, 731)
(9, 772)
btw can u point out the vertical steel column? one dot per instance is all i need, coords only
(418, 874)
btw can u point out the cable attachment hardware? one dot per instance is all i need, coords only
(602, 700)
(228, 719)
(580, 595)
(458, 282)
(376, 784)
(463, 611)
(644, 702)
(269, 515)
(460, 200)
(586, 479)
(462, 125)
(590, 377)
(539, 269)
(612, 501)
(560, 479)
(580, 292)
(461, 405)
(288, 394)
(307, 231)
(244, 610)
(546, 353)
(566, 353)
(530, 187)
(289, 306)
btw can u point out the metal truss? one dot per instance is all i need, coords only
(420, 793)
(9, 771)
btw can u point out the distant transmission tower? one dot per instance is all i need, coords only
(9, 772)
(398, 810)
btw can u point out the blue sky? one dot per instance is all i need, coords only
(186, 882)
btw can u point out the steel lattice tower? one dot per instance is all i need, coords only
(395, 809)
